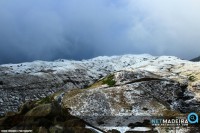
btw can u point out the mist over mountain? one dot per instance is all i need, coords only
(99, 66)
(75, 29)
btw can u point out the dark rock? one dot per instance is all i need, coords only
(141, 132)
(113, 131)
(137, 124)
(26, 107)
(1, 83)
(77, 130)
(40, 111)
(42, 130)
(56, 129)
(74, 123)
(8, 122)
(145, 109)
(43, 122)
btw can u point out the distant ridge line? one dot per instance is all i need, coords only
(196, 59)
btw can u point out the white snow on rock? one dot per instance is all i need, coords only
(113, 63)
(167, 66)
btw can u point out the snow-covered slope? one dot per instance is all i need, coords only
(41, 78)
(115, 86)
(38, 79)
(102, 64)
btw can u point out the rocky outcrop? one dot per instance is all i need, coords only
(36, 80)
(135, 93)
(45, 117)
(113, 91)
(17, 89)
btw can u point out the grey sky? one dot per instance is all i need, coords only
(79, 29)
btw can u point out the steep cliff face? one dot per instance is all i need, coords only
(107, 90)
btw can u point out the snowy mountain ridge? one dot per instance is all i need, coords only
(127, 85)
(113, 63)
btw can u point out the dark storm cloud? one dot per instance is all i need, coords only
(78, 29)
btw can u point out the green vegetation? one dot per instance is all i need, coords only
(45, 100)
(109, 80)
(192, 78)
(73, 92)
(95, 85)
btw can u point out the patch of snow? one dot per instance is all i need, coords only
(121, 129)
(93, 129)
